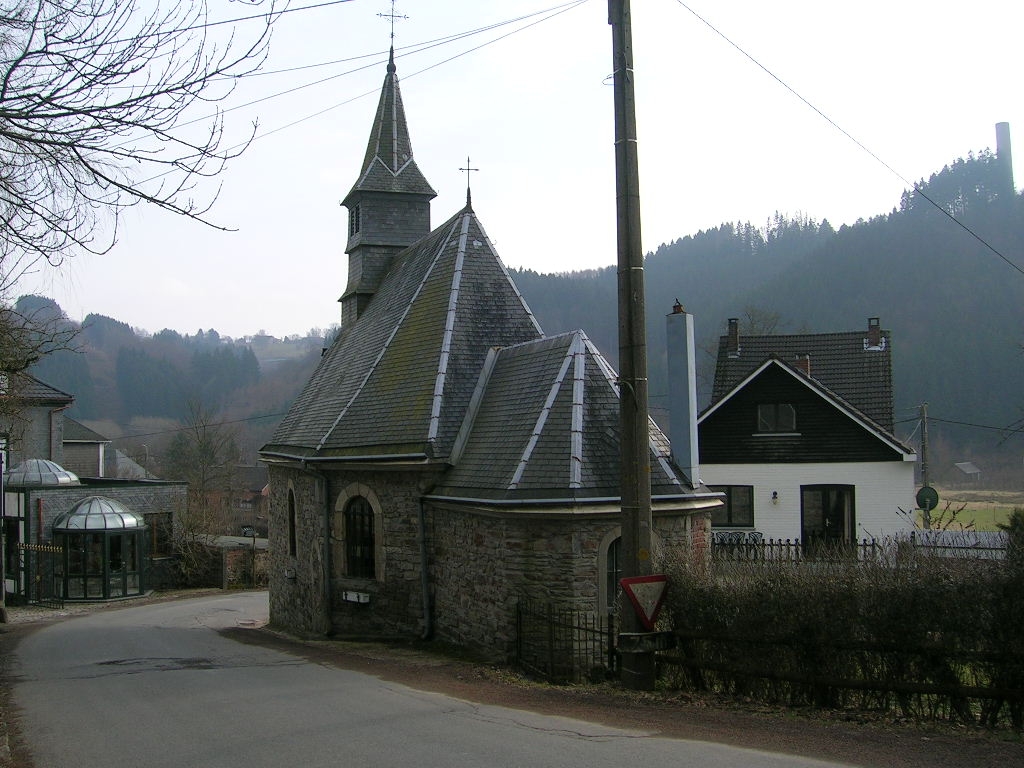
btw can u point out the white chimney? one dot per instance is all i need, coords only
(682, 392)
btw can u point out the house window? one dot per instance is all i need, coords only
(739, 507)
(359, 541)
(292, 535)
(776, 417)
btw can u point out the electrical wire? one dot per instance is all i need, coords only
(917, 188)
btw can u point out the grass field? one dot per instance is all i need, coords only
(985, 508)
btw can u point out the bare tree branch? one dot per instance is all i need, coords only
(105, 104)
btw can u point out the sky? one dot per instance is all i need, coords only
(744, 108)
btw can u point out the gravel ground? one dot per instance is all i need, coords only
(852, 738)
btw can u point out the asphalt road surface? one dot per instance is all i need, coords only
(162, 685)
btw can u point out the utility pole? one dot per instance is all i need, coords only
(926, 514)
(637, 668)
(3, 538)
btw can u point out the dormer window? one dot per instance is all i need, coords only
(776, 417)
(353, 221)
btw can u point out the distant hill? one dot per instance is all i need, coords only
(127, 382)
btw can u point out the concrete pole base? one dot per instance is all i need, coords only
(637, 672)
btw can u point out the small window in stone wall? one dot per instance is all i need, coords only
(359, 540)
(613, 573)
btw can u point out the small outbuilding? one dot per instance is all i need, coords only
(100, 557)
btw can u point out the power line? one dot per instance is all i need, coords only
(189, 428)
(852, 138)
(551, 12)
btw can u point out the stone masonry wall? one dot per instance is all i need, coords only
(485, 563)
(297, 596)
(298, 593)
(480, 562)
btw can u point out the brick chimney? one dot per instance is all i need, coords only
(874, 339)
(732, 344)
(803, 364)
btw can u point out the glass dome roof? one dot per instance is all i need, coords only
(98, 513)
(33, 473)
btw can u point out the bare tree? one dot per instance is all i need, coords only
(96, 101)
(105, 104)
(205, 454)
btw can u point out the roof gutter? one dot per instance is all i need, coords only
(304, 460)
(710, 496)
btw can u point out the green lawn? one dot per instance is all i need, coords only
(986, 509)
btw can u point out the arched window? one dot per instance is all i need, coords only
(359, 540)
(613, 571)
(609, 570)
(292, 536)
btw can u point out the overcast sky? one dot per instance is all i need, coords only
(917, 83)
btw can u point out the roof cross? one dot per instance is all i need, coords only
(392, 16)
(467, 169)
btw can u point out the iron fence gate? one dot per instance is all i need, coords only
(44, 583)
(564, 645)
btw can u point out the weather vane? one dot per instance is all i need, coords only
(467, 169)
(392, 16)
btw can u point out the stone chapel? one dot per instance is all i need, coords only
(446, 458)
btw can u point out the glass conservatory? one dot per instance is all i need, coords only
(101, 555)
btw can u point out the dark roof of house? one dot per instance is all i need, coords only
(814, 384)
(388, 165)
(398, 380)
(76, 432)
(848, 364)
(28, 388)
(544, 425)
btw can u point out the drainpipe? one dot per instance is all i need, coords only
(428, 623)
(328, 596)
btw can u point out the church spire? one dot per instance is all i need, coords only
(388, 165)
(389, 205)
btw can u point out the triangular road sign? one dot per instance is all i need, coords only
(646, 593)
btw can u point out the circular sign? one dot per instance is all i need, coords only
(927, 498)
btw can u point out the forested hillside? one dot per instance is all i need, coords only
(130, 383)
(952, 304)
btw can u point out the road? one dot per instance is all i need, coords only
(161, 685)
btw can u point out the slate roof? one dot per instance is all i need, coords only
(544, 425)
(398, 381)
(388, 165)
(76, 432)
(845, 363)
(30, 389)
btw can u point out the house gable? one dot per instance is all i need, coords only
(826, 430)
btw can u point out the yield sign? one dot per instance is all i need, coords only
(646, 593)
